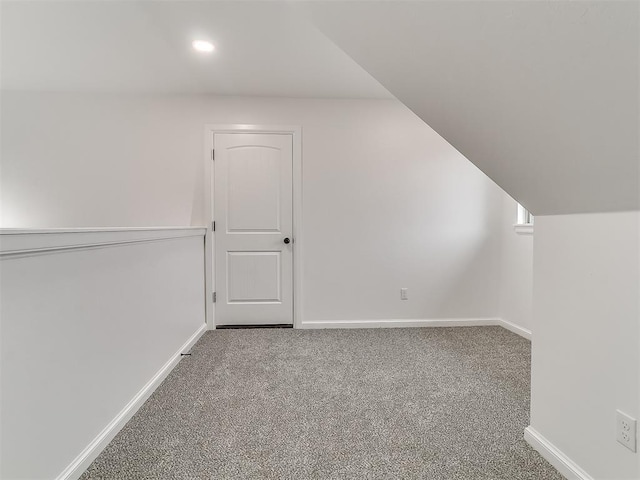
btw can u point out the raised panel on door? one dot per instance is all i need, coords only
(253, 199)
(253, 277)
(253, 214)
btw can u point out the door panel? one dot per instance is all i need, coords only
(253, 189)
(253, 277)
(253, 214)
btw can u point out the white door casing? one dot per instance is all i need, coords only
(253, 211)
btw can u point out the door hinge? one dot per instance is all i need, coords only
(213, 226)
(213, 297)
(213, 154)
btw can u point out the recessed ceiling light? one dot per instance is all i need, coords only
(203, 46)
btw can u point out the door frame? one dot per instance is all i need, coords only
(209, 240)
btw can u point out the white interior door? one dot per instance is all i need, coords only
(254, 226)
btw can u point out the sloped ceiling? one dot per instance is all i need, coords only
(541, 95)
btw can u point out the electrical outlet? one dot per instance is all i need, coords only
(626, 430)
(404, 294)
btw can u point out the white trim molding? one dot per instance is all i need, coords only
(517, 329)
(23, 242)
(402, 323)
(523, 228)
(419, 322)
(90, 453)
(554, 456)
(296, 132)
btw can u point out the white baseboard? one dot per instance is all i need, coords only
(555, 457)
(517, 329)
(89, 454)
(402, 323)
(419, 322)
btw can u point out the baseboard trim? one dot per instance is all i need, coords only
(89, 454)
(554, 456)
(402, 323)
(517, 329)
(419, 322)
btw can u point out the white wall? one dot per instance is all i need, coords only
(585, 358)
(83, 330)
(387, 203)
(516, 271)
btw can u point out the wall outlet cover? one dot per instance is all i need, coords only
(626, 430)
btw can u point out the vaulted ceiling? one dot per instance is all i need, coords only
(542, 96)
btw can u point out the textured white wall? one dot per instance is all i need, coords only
(516, 272)
(82, 332)
(585, 358)
(387, 203)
